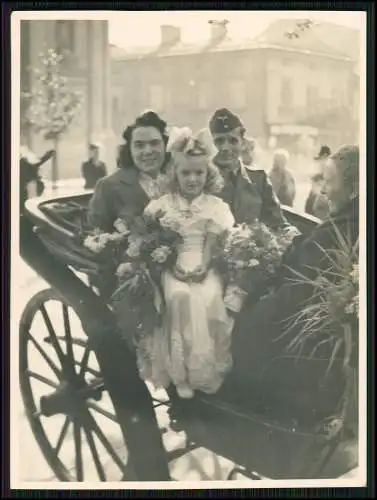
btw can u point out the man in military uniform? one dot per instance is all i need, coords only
(247, 189)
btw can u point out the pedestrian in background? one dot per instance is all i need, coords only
(247, 151)
(281, 178)
(317, 203)
(31, 183)
(94, 168)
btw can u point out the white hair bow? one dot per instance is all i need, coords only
(178, 138)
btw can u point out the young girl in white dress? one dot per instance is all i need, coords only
(192, 349)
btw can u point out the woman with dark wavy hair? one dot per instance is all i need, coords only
(142, 161)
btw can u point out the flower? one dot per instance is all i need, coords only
(124, 268)
(355, 274)
(160, 254)
(135, 239)
(168, 222)
(97, 242)
(133, 249)
(350, 308)
(116, 236)
(238, 264)
(121, 226)
(290, 232)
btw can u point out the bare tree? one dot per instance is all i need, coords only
(51, 105)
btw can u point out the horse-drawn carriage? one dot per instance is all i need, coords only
(85, 374)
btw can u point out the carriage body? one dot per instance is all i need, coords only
(263, 444)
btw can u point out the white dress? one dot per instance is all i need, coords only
(193, 346)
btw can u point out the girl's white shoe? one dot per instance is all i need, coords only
(185, 392)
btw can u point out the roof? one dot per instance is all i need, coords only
(325, 39)
(322, 37)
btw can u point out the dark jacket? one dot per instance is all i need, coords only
(317, 205)
(30, 172)
(258, 344)
(251, 198)
(92, 172)
(117, 195)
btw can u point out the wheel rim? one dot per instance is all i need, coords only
(84, 443)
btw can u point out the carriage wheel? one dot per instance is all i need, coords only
(66, 403)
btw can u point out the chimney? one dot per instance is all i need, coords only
(219, 30)
(170, 35)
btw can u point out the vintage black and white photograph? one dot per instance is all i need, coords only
(188, 283)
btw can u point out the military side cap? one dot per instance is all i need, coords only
(224, 121)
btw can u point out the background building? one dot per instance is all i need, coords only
(88, 69)
(284, 88)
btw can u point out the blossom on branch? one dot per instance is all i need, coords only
(52, 104)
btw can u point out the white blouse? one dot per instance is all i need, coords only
(154, 187)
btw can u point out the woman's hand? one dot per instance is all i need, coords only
(181, 274)
(199, 273)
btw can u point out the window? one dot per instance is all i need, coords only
(65, 36)
(287, 62)
(238, 94)
(286, 94)
(203, 95)
(116, 113)
(335, 95)
(312, 96)
(156, 97)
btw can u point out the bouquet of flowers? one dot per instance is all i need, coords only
(152, 248)
(106, 251)
(249, 257)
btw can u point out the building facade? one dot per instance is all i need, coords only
(282, 89)
(87, 67)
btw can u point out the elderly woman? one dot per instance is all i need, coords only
(281, 178)
(260, 339)
(139, 178)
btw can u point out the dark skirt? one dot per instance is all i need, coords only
(266, 373)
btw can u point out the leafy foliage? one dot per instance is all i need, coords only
(330, 316)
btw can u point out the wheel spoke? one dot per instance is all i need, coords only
(49, 361)
(70, 360)
(84, 361)
(93, 449)
(41, 378)
(101, 411)
(53, 336)
(91, 371)
(110, 450)
(78, 451)
(62, 435)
